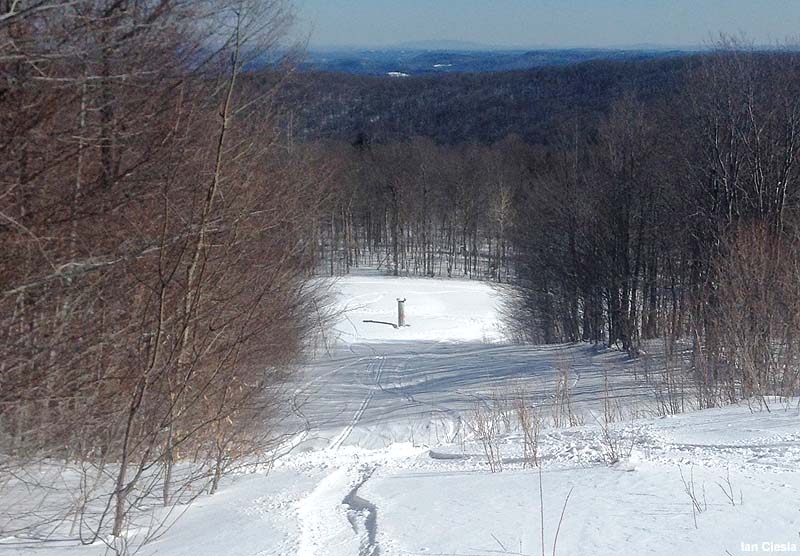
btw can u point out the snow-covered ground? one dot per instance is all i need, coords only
(386, 460)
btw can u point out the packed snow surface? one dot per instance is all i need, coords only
(385, 459)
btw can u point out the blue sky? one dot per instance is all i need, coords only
(555, 23)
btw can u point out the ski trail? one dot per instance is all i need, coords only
(378, 362)
(306, 389)
(363, 516)
(307, 386)
(325, 526)
(454, 419)
(333, 518)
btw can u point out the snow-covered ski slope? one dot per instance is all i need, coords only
(386, 460)
(377, 385)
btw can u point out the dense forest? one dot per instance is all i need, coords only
(469, 107)
(429, 168)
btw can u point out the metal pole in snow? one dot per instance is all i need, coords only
(401, 313)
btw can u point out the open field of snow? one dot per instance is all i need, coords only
(386, 458)
(377, 385)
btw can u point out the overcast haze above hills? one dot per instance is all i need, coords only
(526, 24)
(455, 45)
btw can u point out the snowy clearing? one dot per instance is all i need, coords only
(389, 461)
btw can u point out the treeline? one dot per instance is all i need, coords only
(677, 220)
(155, 255)
(417, 208)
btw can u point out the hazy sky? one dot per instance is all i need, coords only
(546, 22)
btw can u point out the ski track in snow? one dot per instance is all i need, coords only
(376, 368)
(322, 517)
(320, 513)
(363, 516)
(335, 518)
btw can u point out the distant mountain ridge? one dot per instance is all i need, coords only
(416, 59)
(460, 46)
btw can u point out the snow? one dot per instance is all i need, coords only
(638, 504)
(386, 461)
(436, 311)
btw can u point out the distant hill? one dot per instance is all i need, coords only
(461, 46)
(438, 58)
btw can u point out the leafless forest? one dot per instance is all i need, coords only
(641, 217)
(166, 213)
(156, 251)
